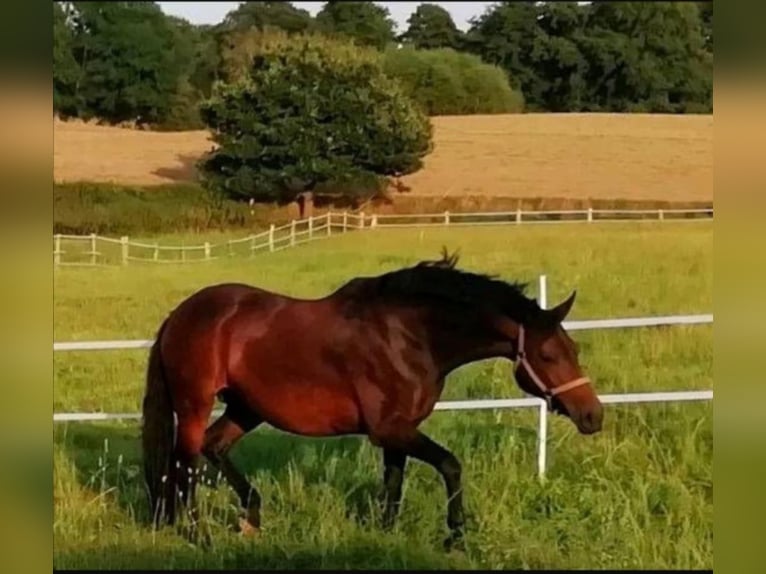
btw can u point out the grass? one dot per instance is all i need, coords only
(637, 495)
(572, 156)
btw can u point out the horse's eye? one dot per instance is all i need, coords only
(547, 358)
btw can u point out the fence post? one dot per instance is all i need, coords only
(311, 226)
(361, 220)
(271, 237)
(57, 249)
(124, 245)
(252, 245)
(207, 250)
(662, 214)
(518, 215)
(542, 439)
(92, 248)
(590, 215)
(329, 224)
(542, 431)
(345, 221)
(292, 233)
(156, 252)
(374, 222)
(446, 218)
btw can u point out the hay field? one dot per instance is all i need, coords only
(596, 156)
(636, 496)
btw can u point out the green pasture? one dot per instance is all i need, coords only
(637, 495)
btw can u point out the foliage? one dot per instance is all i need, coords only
(430, 27)
(610, 56)
(311, 114)
(130, 60)
(264, 15)
(446, 82)
(364, 22)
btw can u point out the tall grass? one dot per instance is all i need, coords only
(637, 495)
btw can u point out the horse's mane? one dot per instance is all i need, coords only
(440, 283)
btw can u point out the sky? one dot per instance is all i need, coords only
(213, 12)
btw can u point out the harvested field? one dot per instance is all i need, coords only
(574, 156)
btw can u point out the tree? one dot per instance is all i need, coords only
(364, 22)
(311, 115)
(263, 15)
(447, 82)
(508, 35)
(431, 26)
(706, 14)
(131, 60)
(65, 69)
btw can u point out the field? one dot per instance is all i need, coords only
(574, 156)
(638, 495)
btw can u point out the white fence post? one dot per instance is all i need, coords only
(207, 250)
(57, 249)
(311, 226)
(361, 220)
(542, 433)
(543, 291)
(252, 246)
(542, 439)
(518, 215)
(124, 246)
(662, 214)
(92, 248)
(590, 215)
(446, 218)
(345, 221)
(374, 222)
(271, 237)
(292, 233)
(329, 224)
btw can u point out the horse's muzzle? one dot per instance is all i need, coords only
(590, 420)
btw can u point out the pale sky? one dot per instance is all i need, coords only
(213, 12)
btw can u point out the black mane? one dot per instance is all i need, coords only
(440, 283)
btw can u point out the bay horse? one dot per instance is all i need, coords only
(368, 359)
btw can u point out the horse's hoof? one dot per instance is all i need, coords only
(247, 529)
(455, 542)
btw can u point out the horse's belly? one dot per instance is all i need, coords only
(306, 409)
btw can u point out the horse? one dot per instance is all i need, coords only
(370, 358)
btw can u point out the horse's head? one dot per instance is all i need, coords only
(547, 366)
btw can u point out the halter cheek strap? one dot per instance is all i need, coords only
(522, 361)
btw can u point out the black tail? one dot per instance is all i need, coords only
(158, 437)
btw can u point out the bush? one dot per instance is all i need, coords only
(445, 82)
(310, 114)
(83, 208)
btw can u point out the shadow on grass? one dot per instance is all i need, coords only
(108, 456)
(359, 554)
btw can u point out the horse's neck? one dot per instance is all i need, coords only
(456, 347)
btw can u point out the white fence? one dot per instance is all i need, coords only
(98, 250)
(481, 404)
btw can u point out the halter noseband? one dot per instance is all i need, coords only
(548, 393)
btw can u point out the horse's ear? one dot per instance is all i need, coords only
(560, 311)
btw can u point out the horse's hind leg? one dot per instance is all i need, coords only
(394, 461)
(219, 439)
(189, 438)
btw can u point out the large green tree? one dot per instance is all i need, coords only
(365, 22)
(311, 115)
(430, 27)
(263, 15)
(508, 35)
(131, 60)
(65, 68)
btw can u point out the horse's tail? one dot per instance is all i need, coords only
(157, 437)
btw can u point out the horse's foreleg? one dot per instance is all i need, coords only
(417, 445)
(394, 461)
(219, 439)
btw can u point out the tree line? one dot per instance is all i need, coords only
(130, 62)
